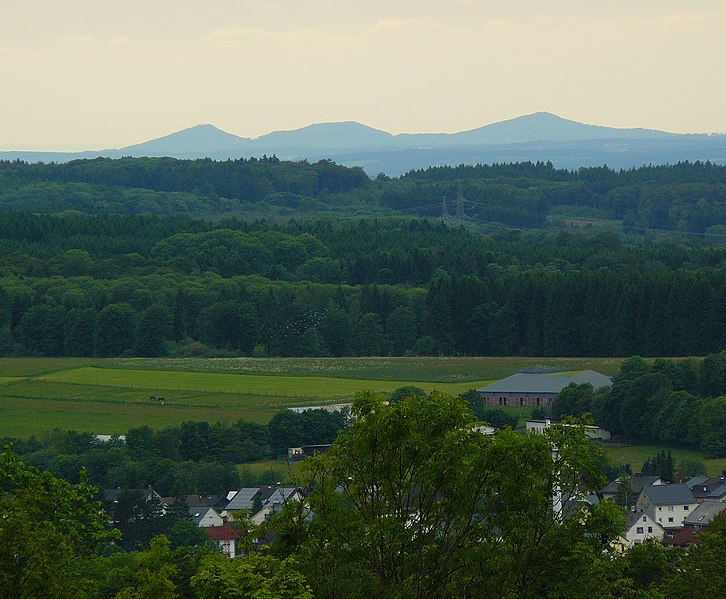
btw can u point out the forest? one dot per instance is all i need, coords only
(118, 285)
(307, 259)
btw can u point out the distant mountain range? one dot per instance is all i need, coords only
(539, 136)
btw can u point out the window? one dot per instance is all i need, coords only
(670, 519)
(660, 509)
(645, 519)
(522, 401)
(650, 529)
(639, 530)
(685, 508)
(670, 508)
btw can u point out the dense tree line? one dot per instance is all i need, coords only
(674, 402)
(111, 285)
(686, 196)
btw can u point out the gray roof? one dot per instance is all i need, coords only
(243, 500)
(704, 513)
(553, 382)
(637, 482)
(697, 481)
(279, 495)
(713, 487)
(669, 494)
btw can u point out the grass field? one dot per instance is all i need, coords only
(111, 395)
(635, 455)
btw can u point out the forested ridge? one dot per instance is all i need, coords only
(685, 197)
(110, 283)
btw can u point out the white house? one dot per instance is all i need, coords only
(205, 516)
(642, 527)
(668, 505)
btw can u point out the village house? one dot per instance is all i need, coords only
(637, 482)
(533, 389)
(668, 505)
(708, 488)
(204, 517)
(259, 502)
(704, 513)
(226, 538)
(641, 528)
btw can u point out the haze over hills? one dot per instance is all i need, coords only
(539, 136)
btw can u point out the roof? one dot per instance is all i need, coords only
(637, 482)
(554, 382)
(112, 495)
(682, 536)
(713, 487)
(704, 513)
(276, 494)
(669, 494)
(243, 499)
(635, 517)
(222, 533)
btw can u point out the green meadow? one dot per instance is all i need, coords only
(111, 395)
(635, 455)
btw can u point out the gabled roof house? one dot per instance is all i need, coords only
(668, 505)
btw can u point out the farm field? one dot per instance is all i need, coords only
(111, 395)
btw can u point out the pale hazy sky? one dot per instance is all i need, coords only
(95, 74)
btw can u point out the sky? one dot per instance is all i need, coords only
(84, 74)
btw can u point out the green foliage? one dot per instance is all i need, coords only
(310, 427)
(699, 569)
(573, 400)
(689, 467)
(407, 391)
(625, 497)
(414, 502)
(48, 527)
(258, 576)
(660, 465)
(382, 287)
(661, 403)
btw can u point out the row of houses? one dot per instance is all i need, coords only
(671, 513)
(215, 514)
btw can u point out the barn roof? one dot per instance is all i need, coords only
(550, 382)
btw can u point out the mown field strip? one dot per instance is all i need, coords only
(432, 369)
(22, 417)
(156, 381)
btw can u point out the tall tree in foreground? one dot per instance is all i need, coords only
(415, 502)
